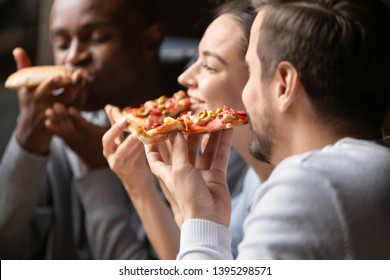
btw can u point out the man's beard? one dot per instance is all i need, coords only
(261, 144)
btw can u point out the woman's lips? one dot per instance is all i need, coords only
(197, 105)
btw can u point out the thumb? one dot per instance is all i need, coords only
(21, 58)
(113, 113)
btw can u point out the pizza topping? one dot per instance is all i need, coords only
(206, 115)
(161, 100)
(153, 112)
(204, 122)
(161, 103)
(155, 125)
(227, 118)
(203, 117)
(149, 104)
(142, 112)
(155, 119)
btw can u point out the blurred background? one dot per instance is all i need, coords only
(24, 23)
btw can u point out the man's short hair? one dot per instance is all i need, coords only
(341, 51)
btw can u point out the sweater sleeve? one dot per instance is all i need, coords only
(110, 221)
(204, 240)
(20, 176)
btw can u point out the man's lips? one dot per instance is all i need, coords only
(81, 75)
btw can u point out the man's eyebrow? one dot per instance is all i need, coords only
(216, 56)
(57, 31)
(90, 25)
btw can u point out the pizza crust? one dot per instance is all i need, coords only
(133, 123)
(33, 76)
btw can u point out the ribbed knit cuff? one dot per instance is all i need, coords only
(198, 233)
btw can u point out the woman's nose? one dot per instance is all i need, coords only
(188, 77)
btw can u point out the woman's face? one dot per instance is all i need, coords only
(219, 75)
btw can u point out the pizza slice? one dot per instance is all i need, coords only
(152, 113)
(206, 121)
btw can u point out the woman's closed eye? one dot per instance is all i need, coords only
(208, 67)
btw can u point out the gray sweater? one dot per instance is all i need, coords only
(51, 208)
(328, 204)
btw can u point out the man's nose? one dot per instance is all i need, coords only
(78, 54)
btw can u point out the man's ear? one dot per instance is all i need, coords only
(153, 38)
(287, 84)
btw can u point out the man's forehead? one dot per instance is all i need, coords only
(254, 37)
(84, 13)
(100, 7)
(255, 30)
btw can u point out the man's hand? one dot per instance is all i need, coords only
(197, 183)
(82, 137)
(30, 130)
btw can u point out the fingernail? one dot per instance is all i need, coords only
(121, 121)
(57, 92)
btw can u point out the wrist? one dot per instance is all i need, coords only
(141, 190)
(32, 135)
(207, 215)
(36, 144)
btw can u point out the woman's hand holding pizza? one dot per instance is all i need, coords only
(126, 158)
(196, 182)
(165, 150)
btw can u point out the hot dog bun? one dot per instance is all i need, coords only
(33, 76)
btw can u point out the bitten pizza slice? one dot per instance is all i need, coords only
(152, 112)
(205, 121)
